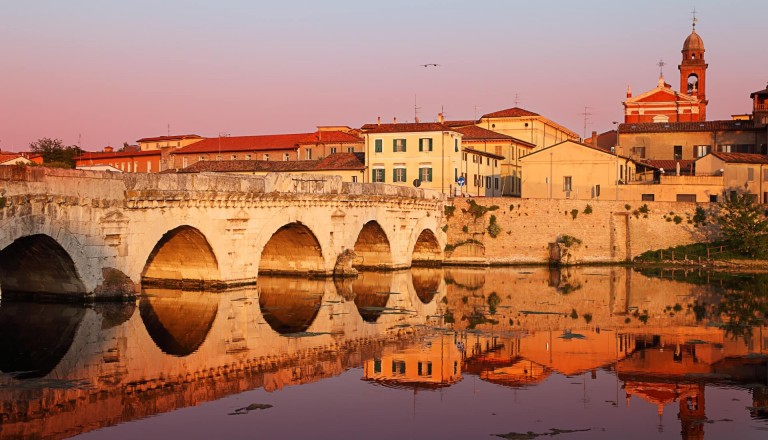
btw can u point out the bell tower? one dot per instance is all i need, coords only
(693, 70)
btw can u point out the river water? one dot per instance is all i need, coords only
(451, 353)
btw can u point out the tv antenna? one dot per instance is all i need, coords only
(517, 99)
(586, 115)
(416, 109)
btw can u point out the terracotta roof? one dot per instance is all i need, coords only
(475, 133)
(514, 112)
(592, 147)
(406, 127)
(483, 153)
(661, 127)
(667, 165)
(246, 143)
(693, 42)
(759, 92)
(5, 157)
(170, 138)
(740, 157)
(337, 161)
(106, 155)
(459, 123)
(333, 137)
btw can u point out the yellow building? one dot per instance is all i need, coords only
(572, 170)
(423, 154)
(738, 171)
(527, 126)
(160, 142)
(490, 161)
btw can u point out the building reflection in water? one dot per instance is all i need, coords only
(424, 329)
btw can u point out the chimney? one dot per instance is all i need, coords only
(629, 92)
(440, 117)
(108, 149)
(379, 121)
(395, 119)
(593, 141)
(417, 119)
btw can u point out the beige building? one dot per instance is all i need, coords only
(410, 154)
(572, 170)
(13, 159)
(738, 172)
(160, 142)
(490, 161)
(527, 126)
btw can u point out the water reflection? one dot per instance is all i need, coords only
(290, 304)
(178, 321)
(35, 337)
(557, 348)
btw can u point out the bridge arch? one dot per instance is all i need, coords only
(182, 258)
(372, 248)
(426, 282)
(38, 264)
(290, 304)
(178, 321)
(426, 250)
(292, 249)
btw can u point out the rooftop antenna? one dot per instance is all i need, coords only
(169, 129)
(517, 99)
(586, 115)
(476, 111)
(661, 65)
(80, 141)
(416, 109)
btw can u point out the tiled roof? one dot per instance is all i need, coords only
(685, 165)
(246, 143)
(332, 137)
(337, 161)
(464, 123)
(116, 154)
(741, 157)
(591, 147)
(406, 127)
(514, 112)
(5, 157)
(662, 127)
(759, 93)
(475, 133)
(170, 138)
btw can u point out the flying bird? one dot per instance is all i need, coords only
(429, 65)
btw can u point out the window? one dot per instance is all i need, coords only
(425, 144)
(265, 156)
(202, 158)
(750, 174)
(487, 181)
(702, 150)
(378, 175)
(597, 191)
(465, 157)
(647, 197)
(398, 368)
(286, 157)
(686, 198)
(309, 154)
(456, 145)
(354, 179)
(350, 149)
(247, 157)
(398, 174)
(425, 368)
(333, 150)
(218, 157)
(567, 183)
(425, 174)
(724, 148)
(639, 152)
(378, 146)
(713, 198)
(495, 183)
(398, 145)
(498, 150)
(678, 152)
(456, 174)
(149, 166)
(488, 161)
(377, 366)
(234, 157)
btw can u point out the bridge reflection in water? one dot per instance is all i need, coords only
(68, 369)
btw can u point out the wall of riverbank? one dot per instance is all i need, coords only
(501, 231)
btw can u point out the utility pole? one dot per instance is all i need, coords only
(586, 115)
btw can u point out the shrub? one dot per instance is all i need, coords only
(627, 207)
(574, 315)
(568, 240)
(493, 228)
(700, 216)
(445, 228)
(478, 211)
(465, 229)
(449, 210)
(574, 213)
(588, 317)
(644, 209)
(588, 209)
(677, 219)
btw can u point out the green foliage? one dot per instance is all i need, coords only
(568, 240)
(700, 216)
(627, 207)
(3, 201)
(587, 317)
(450, 247)
(588, 209)
(644, 209)
(448, 317)
(574, 213)
(445, 228)
(478, 211)
(493, 302)
(511, 207)
(465, 229)
(465, 299)
(677, 219)
(493, 228)
(574, 315)
(627, 320)
(744, 225)
(449, 210)
(54, 152)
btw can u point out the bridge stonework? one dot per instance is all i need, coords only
(97, 235)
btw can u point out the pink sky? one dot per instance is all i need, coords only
(111, 73)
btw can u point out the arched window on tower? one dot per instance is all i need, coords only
(693, 83)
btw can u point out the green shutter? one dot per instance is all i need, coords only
(404, 142)
(394, 145)
(429, 174)
(421, 144)
(394, 175)
(405, 179)
(430, 144)
(378, 148)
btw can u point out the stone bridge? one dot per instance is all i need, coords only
(94, 235)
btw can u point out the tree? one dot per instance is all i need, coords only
(744, 225)
(55, 153)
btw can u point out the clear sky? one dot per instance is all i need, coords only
(109, 72)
